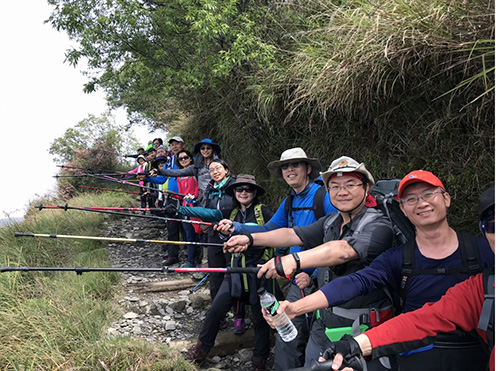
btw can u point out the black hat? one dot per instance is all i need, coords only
(246, 179)
(487, 203)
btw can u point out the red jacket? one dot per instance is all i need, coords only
(460, 307)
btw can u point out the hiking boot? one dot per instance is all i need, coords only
(189, 265)
(258, 364)
(222, 324)
(239, 326)
(169, 261)
(198, 276)
(197, 353)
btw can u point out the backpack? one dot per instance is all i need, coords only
(487, 318)
(318, 206)
(470, 257)
(385, 193)
(259, 217)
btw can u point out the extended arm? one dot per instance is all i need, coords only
(207, 215)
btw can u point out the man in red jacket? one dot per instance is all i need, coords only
(468, 305)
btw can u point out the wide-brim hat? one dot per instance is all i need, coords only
(487, 203)
(215, 146)
(245, 179)
(294, 155)
(419, 176)
(346, 164)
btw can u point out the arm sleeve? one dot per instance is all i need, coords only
(460, 307)
(160, 179)
(207, 215)
(375, 238)
(381, 272)
(188, 171)
(278, 220)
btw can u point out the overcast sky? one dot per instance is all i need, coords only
(40, 97)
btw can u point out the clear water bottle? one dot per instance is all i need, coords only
(283, 324)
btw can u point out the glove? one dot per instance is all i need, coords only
(171, 211)
(350, 350)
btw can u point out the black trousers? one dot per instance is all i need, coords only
(221, 304)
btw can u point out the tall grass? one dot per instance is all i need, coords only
(58, 320)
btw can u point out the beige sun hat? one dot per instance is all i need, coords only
(294, 155)
(346, 164)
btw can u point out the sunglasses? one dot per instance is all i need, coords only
(205, 148)
(286, 166)
(244, 189)
(184, 158)
(488, 227)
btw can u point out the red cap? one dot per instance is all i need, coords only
(419, 176)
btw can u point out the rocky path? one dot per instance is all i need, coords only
(173, 318)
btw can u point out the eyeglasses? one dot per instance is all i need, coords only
(206, 148)
(488, 227)
(347, 187)
(413, 200)
(184, 158)
(241, 189)
(216, 168)
(286, 166)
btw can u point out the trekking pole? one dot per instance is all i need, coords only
(173, 194)
(112, 239)
(108, 189)
(105, 211)
(88, 170)
(198, 284)
(80, 270)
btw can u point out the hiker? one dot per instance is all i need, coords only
(425, 268)
(216, 198)
(238, 287)
(157, 142)
(188, 185)
(141, 169)
(468, 306)
(209, 151)
(169, 184)
(306, 203)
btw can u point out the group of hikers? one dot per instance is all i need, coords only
(346, 271)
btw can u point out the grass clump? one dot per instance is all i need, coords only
(58, 320)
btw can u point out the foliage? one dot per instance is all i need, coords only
(398, 85)
(93, 132)
(57, 320)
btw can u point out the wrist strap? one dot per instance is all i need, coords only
(297, 261)
(278, 265)
(250, 244)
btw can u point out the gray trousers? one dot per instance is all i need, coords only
(291, 355)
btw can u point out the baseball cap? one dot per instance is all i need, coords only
(419, 176)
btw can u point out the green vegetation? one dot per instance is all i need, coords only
(58, 320)
(398, 85)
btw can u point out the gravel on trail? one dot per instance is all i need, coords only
(173, 318)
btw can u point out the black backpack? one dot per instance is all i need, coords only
(318, 206)
(487, 318)
(469, 251)
(385, 192)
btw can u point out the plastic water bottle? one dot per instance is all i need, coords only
(284, 325)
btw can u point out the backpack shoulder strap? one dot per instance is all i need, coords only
(258, 214)
(319, 203)
(234, 212)
(288, 210)
(407, 268)
(487, 318)
(470, 252)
